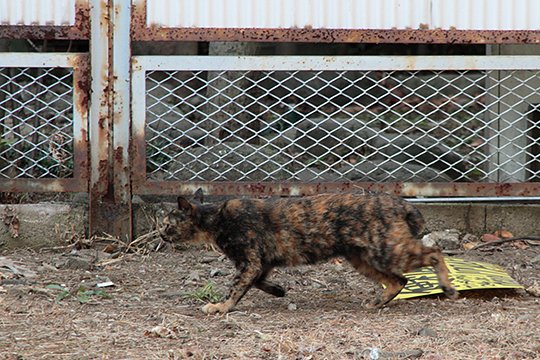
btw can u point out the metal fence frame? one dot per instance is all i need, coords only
(141, 64)
(80, 65)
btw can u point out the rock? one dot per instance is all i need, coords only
(534, 290)
(377, 354)
(193, 276)
(425, 331)
(446, 239)
(77, 263)
(428, 240)
(292, 307)
(470, 241)
(137, 199)
(216, 272)
(470, 238)
(536, 260)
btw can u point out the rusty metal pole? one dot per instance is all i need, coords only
(110, 195)
(121, 84)
(99, 126)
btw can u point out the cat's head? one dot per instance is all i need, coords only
(183, 224)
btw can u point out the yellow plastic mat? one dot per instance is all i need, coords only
(465, 275)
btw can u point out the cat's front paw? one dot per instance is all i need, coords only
(374, 304)
(211, 309)
(451, 292)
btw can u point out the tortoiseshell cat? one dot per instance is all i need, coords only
(376, 233)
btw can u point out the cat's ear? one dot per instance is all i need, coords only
(199, 197)
(184, 205)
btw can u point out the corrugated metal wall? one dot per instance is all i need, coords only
(347, 14)
(37, 12)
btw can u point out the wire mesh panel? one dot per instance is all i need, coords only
(42, 119)
(341, 119)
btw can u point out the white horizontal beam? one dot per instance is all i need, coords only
(11, 59)
(322, 63)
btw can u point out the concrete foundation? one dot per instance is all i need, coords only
(41, 225)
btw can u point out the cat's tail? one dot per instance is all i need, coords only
(414, 219)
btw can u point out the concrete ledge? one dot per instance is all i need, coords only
(50, 224)
(520, 219)
(42, 225)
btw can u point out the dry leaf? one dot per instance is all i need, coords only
(14, 227)
(489, 238)
(504, 234)
(110, 248)
(522, 245)
(470, 245)
(160, 331)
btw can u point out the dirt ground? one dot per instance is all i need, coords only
(153, 312)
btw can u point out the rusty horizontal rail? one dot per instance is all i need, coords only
(408, 36)
(434, 35)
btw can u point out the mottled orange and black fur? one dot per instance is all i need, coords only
(376, 233)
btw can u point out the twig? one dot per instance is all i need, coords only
(54, 248)
(502, 241)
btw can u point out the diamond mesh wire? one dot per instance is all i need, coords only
(415, 126)
(36, 126)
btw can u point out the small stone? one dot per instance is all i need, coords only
(193, 276)
(216, 272)
(447, 239)
(136, 199)
(77, 263)
(536, 260)
(534, 290)
(470, 238)
(425, 331)
(428, 241)
(292, 307)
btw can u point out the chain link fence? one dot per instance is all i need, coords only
(36, 122)
(311, 120)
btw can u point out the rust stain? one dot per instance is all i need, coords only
(81, 82)
(406, 36)
(119, 155)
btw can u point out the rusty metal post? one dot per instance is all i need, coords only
(110, 204)
(99, 126)
(121, 84)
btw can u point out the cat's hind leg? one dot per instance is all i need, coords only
(269, 287)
